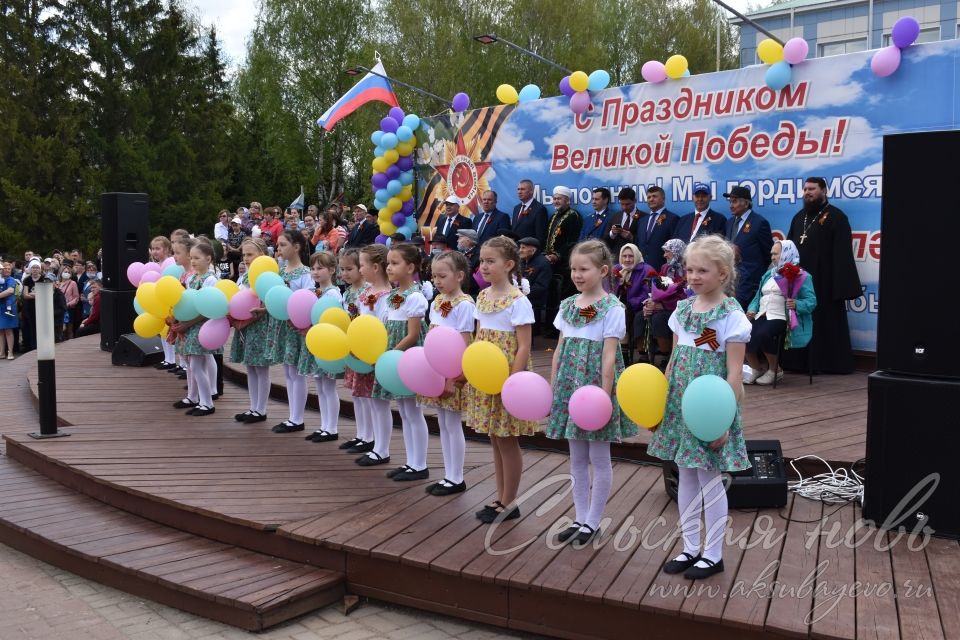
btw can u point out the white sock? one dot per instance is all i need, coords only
(690, 505)
(329, 403)
(416, 435)
(382, 423)
(715, 513)
(169, 353)
(182, 361)
(192, 384)
(199, 365)
(258, 387)
(580, 470)
(296, 393)
(453, 444)
(602, 481)
(361, 415)
(210, 366)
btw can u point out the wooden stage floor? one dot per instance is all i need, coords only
(807, 570)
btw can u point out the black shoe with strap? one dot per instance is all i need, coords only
(372, 461)
(584, 537)
(287, 427)
(569, 532)
(186, 403)
(699, 573)
(411, 474)
(446, 488)
(363, 447)
(322, 436)
(679, 566)
(350, 443)
(489, 509)
(502, 513)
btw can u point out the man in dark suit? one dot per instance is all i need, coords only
(750, 234)
(704, 220)
(598, 222)
(622, 225)
(655, 228)
(538, 272)
(490, 220)
(365, 231)
(562, 235)
(452, 222)
(529, 217)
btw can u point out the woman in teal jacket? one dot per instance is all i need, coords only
(781, 310)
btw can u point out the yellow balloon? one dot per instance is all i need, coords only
(395, 204)
(261, 264)
(413, 141)
(485, 367)
(387, 229)
(642, 394)
(165, 330)
(507, 94)
(229, 287)
(406, 193)
(147, 297)
(168, 290)
(367, 337)
(579, 81)
(405, 148)
(337, 317)
(676, 66)
(147, 325)
(390, 156)
(327, 342)
(770, 51)
(380, 164)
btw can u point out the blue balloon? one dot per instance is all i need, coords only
(405, 232)
(321, 305)
(529, 93)
(267, 281)
(379, 204)
(686, 74)
(388, 242)
(276, 301)
(387, 375)
(333, 367)
(382, 195)
(137, 307)
(379, 151)
(404, 133)
(779, 75)
(375, 138)
(709, 407)
(394, 187)
(358, 365)
(411, 121)
(406, 178)
(212, 303)
(389, 141)
(186, 309)
(174, 270)
(598, 80)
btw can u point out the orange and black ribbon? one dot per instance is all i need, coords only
(445, 308)
(708, 337)
(588, 312)
(371, 301)
(396, 300)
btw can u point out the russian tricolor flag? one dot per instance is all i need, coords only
(370, 88)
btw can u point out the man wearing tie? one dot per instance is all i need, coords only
(622, 226)
(655, 228)
(750, 234)
(529, 217)
(452, 222)
(490, 220)
(704, 220)
(595, 226)
(366, 230)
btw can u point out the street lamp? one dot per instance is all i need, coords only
(492, 38)
(46, 367)
(357, 70)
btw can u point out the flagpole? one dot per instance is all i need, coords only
(402, 83)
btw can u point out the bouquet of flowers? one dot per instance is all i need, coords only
(664, 290)
(790, 277)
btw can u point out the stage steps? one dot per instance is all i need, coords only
(226, 583)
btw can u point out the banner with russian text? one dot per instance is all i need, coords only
(724, 129)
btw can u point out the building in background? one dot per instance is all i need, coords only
(834, 27)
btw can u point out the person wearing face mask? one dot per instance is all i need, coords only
(71, 298)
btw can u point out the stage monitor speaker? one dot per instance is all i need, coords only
(125, 236)
(134, 351)
(762, 485)
(910, 338)
(116, 316)
(911, 434)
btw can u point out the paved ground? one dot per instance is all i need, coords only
(42, 602)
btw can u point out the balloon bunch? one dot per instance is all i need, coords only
(781, 59)
(578, 86)
(887, 60)
(675, 67)
(508, 95)
(392, 178)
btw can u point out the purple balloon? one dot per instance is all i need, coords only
(407, 207)
(397, 114)
(905, 31)
(405, 163)
(653, 71)
(580, 102)
(379, 181)
(795, 50)
(398, 219)
(381, 239)
(565, 87)
(390, 125)
(393, 172)
(885, 61)
(461, 102)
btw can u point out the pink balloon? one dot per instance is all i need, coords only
(169, 262)
(149, 276)
(242, 304)
(590, 408)
(795, 50)
(152, 266)
(580, 102)
(885, 61)
(653, 71)
(214, 333)
(527, 396)
(444, 347)
(299, 305)
(417, 375)
(135, 272)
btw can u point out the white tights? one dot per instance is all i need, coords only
(453, 444)
(329, 403)
(415, 432)
(169, 352)
(258, 386)
(701, 490)
(361, 414)
(198, 379)
(589, 499)
(296, 393)
(382, 423)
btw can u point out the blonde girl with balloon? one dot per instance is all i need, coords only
(161, 249)
(250, 345)
(591, 325)
(349, 263)
(505, 318)
(454, 309)
(710, 334)
(323, 267)
(180, 242)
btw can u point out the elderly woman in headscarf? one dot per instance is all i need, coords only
(630, 282)
(782, 313)
(665, 292)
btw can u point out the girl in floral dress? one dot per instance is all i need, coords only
(455, 309)
(591, 326)
(504, 317)
(287, 341)
(250, 345)
(710, 335)
(323, 266)
(160, 249)
(350, 274)
(201, 367)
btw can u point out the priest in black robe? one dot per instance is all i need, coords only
(821, 232)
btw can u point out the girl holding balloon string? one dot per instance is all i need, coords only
(504, 317)
(161, 249)
(591, 326)
(350, 274)
(180, 242)
(250, 346)
(710, 336)
(323, 266)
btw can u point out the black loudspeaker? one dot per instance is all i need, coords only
(116, 316)
(134, 351)
(762, 485)
(910, 339)
(125, 236)
(913, 479)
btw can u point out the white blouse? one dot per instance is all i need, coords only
(517, 314)
(612, 325)
(772, 302)
(379, 309)
(304, 281)
(333, 292)
(733, 327)
(461, 317)
(415, 306)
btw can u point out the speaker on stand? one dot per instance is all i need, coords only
(125, 239)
